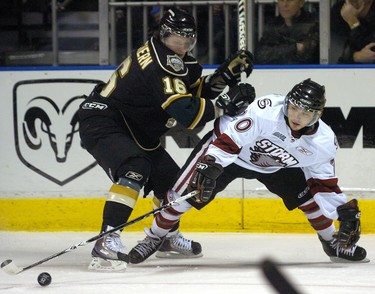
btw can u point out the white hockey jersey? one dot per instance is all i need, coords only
(260, 140)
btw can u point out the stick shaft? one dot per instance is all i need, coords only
(13, 269)
(277, 279)
(242, 26)
(242, 31)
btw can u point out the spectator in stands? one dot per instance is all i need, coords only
(290, 38)
(219, 32)
(154, 19)
(122, 16)
(353, 31)
(75, 5)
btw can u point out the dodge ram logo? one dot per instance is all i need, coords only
(46, 127)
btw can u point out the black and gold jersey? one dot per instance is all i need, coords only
(153, 89)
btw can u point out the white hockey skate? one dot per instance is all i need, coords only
(176, 246)
(106, 254)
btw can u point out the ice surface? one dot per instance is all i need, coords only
(230, 265)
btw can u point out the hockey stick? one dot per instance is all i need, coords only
(11, 268)
(277, 279)
(242, 32)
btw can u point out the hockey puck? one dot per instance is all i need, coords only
(44, 279)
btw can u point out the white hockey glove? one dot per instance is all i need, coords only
(204, 178)
(236, 99)
(350, 229)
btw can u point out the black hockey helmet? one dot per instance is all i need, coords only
(179, 22)
(309, 96)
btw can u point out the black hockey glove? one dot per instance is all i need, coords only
(350, 229)
(232, 67)
(204, 178)
(236, 99)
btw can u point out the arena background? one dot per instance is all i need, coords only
(49, 183)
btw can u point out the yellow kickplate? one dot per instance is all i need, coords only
(222, 215)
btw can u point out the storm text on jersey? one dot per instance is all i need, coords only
(266, 148)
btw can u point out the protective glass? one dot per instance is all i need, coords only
(178, 39)
(177, 42)
(316, 113)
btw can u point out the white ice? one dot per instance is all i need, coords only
(230, 265)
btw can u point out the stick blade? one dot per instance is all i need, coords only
(10, 267)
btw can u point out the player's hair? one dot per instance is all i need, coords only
(309, 96)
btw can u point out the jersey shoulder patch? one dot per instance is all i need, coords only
(170, 62)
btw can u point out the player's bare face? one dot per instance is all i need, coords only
(179, 44)
(299, 118)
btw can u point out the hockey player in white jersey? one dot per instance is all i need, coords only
(282, 142)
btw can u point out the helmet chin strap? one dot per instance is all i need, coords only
(304, 131)
(315, 119)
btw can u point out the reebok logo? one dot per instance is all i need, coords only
(134, 176)
(304, 151)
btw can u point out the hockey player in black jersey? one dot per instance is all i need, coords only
(157, 86)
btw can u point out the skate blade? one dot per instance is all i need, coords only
(342, 260)
(100, 264)
(176, 255)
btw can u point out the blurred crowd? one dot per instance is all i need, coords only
(290, 34)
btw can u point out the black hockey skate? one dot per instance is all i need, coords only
(145, 248)
(176, 246)
(340, 255)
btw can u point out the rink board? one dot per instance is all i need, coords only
(46, 187)
(222, 215)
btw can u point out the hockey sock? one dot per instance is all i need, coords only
(156, 203)
(115, 214)
(321, 224)
(168, 220)
(119, 205)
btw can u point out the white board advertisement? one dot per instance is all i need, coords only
(41, 154)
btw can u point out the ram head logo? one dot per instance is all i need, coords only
(46, 128)
(59, 124)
